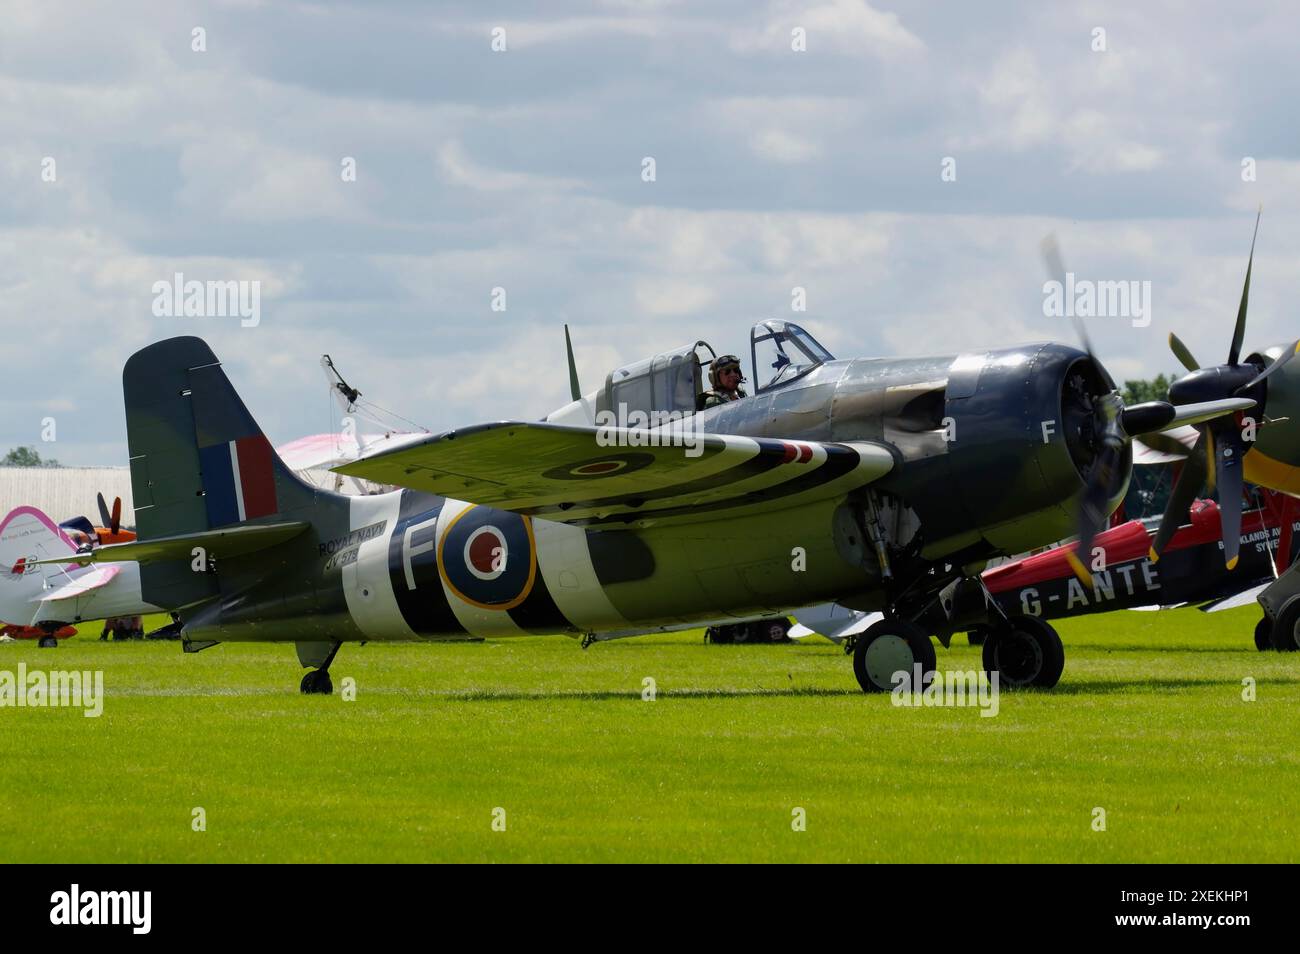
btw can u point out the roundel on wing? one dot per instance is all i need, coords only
(594, 468)
(488, 558)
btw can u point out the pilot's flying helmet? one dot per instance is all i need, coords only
(720, 362)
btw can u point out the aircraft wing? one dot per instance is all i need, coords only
(1244, 598)
(80, 585)
(322, 451)
(610, 477)
(1164, 447)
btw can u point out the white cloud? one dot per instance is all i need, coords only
(845, 26)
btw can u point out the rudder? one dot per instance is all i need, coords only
(198, 459)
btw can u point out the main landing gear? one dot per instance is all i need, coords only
(887, 647)
(1024, 651)
(1284, 632)
(317, 682)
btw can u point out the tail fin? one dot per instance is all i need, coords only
(198, 459)
(27, 535)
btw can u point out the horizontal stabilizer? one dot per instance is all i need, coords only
(225, 543)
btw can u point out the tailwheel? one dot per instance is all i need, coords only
(1264, 635)
(887, 647)
(317, 683)
(48, 642)
(1025, 651)
(1286, 631)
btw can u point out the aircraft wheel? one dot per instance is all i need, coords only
(887, 647)
(317, 683)
(1026, 652)
(1264, 635)
(1286, 631)
(48, 642)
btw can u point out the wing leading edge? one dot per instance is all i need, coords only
(611, 477)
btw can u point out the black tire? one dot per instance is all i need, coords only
(47, 642)
(977, 636)
(1264, 635)
(1286, 631)
(741, 633)
(1025, 652)
(317, 683)
(886, 647)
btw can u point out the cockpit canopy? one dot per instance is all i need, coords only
(668, 383)
(672, 382)
(782, 351)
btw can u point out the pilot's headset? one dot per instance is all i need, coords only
(720, 362)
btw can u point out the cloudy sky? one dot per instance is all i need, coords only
(522, 169)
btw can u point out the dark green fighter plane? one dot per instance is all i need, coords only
(875, 483)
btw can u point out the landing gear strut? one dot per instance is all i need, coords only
(1024, 651)
(320, 655)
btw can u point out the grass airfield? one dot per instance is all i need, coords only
(1148, 723)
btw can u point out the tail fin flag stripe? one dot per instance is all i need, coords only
(256, 476)
(238, 480)
(218, 485)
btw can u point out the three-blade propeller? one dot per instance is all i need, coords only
(1222, 440)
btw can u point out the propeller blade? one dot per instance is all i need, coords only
(104, 518)
(1227, 466)
(1282, 359)
(1212, 473)
(1094, 509)
(1051, 251)
(1094, 503)
(116, 522)
(1190, 480)
(1239, 332)
(1182, 353)
(1207, 410)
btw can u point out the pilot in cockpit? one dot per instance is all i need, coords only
(725, 379)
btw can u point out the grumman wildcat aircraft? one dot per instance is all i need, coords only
(877, 483)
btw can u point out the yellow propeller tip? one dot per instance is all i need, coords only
(1152, 555)
(1232, 564)
(1079, 569)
